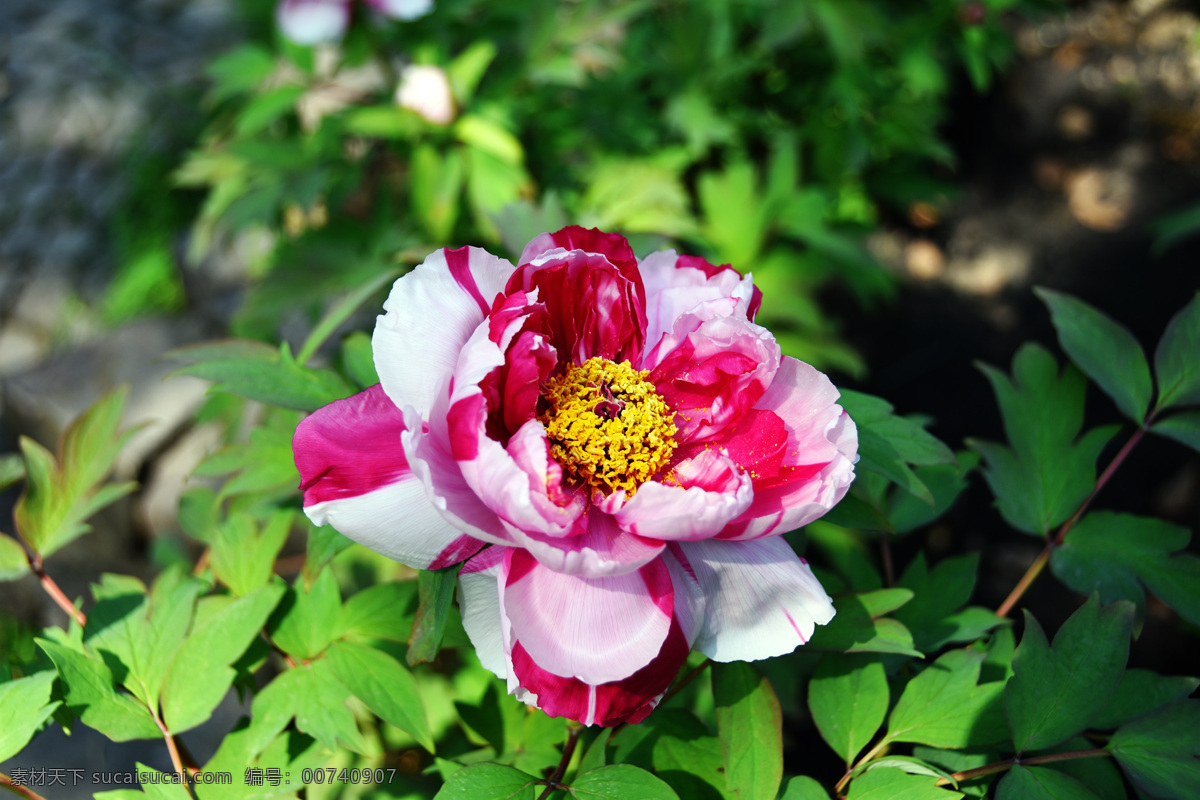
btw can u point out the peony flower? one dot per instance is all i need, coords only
(425, 89)
(613, 448)
(310, 22)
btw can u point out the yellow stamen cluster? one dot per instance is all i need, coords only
(608, 426)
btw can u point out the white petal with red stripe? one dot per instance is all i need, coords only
(760, 599)
(431, 313)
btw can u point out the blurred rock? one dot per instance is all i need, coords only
(43, 402)
(924, 260)
(1101, 199)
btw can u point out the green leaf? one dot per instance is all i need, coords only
(290, 752)
(1177, 358)
(468, 68)
(61, 494)
(620, 782)
(259, 372)
(735, 216)
(12, 469)
(242, 556)
(322, 545)
(1098, 774)
(888, 444)
(1041, 783)
(92, 695)
(943, 706)
(1105, 351)
(437, 184)
(199, 675)
(382, 611)
(384, 685)
(358, 360)
(848, 698)
(488, 137)
(172, 603)
(266, 108)
(911, 765)
(435, 591)
(1161, 751)
(1046, 474)
(488, 782)
(239, 70)
(859, 626)
(684, 754)
(340, 311)
(1110, 553)
(317, 699)
(1057, 689)
(895, 784)
(24, 706)
(749, 725)
(305, 622)
(1183, 427)
(13, 561)
(938, 594)
(945, 481)
(803, 787)
(264, 465)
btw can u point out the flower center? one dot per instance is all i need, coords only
(607, 425)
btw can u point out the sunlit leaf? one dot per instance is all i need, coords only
(848, 698)
(749, 725)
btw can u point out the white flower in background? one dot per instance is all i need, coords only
(402, 9)
(425, 89)
(310, 22)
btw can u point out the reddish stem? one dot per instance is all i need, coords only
(1043, 558)
(23, 791)
(1001, 766)
(56, 594)
(555, 781)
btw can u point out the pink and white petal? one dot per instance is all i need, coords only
(706, 492)
(678, 284)
(479, 601)
(711, 371)
(432, 463)
(311, 22)
(350, 447)
(593, 307)
(519, 483)
(430, 314)
(612, 246)
(399, 522)
(595, 629)
(402, 9)
(628, 700)
(354, 476)
(600, 550)
(761, 599)
(818, 460)
(806, 400)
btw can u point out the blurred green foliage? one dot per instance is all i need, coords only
(771, 136)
